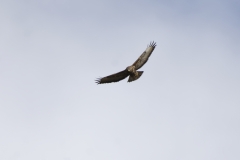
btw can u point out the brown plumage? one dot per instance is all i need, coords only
(130, 71)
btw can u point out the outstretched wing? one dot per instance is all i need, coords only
(145, 55)
(113, 78)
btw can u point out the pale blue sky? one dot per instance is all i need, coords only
(185, 106)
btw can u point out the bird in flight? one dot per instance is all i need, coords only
(130, 71)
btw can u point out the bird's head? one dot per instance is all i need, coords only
(130, 68)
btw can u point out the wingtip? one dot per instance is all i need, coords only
(98, 80)
(152, 44)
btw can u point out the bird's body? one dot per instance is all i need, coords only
(133, 74)
(130, 71)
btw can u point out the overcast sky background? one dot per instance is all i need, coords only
(186, 105)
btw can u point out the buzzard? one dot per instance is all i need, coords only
(130, 71)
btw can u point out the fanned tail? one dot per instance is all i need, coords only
(133, 78)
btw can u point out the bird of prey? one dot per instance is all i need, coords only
(130, 71)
